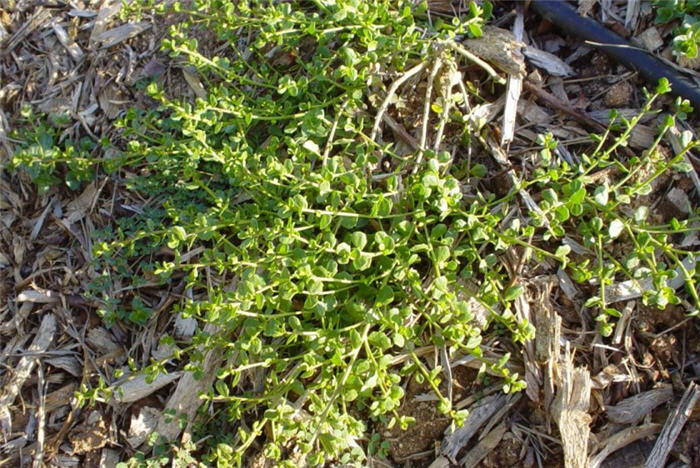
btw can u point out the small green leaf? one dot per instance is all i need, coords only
(384, 296)
(513, 292)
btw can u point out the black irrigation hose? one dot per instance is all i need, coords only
(563, 15)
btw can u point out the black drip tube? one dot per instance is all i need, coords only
(563, 15)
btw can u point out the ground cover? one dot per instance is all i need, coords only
(309, 233)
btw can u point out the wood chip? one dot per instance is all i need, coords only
(43, 339)
(120, 34)
(621, 440)
(137, 388)
(674, 423)
(585, 6)
(549, 62)
(109, 458)
(104, 15)
(185, 400)
(479, 414)
(651, 39)
(73, 49)
(38, 297)
(632, 14)
(69, 364)
(632, 289)
(571, 412)
(679, 199)
(631, 410)
(81, 206)
(60, 397)
(101, 340)
(499, 47)
(194, 83)
(484, 447)
(514, 85)
(142, 425)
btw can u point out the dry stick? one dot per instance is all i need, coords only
(445, 113)
(392, 90)
(560, 105)
(401, 132)
(514, 86)
(620, 440)
(673, 426)
(469, 56)
(331, 136)
(41, 416)
(445, 361)
(426, 111)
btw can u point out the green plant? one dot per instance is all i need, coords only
(324, 279)
(326, 260)
(47, 156)
(687, 34)
(611, 221)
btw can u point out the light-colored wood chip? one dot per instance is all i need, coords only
(570, 411)
(101, 340)
(631, 410)
(651, 39)
(514, 84)
(194, 82)
(585, 6)
(114, 36)
(549, 62)
(142, 425)
(43, 339)
(185, 400)
(674, 423)
(138, 387)
(620, 440)
(109, 458)
(107, 11)
(37, 297)
(69, 364)
(479, 414)
(632, 14)
(80, 207)
(73, 49)
(499, 47)
(632, 289)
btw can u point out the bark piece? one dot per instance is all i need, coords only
(185, 399)
(632, 289)
(478, 415)
(571, 412)
(484, 447)
(514, 86)
(620, 440)
(631, 410)
(137, 388)
(41, 343)
(674, 423)
(142, 424)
